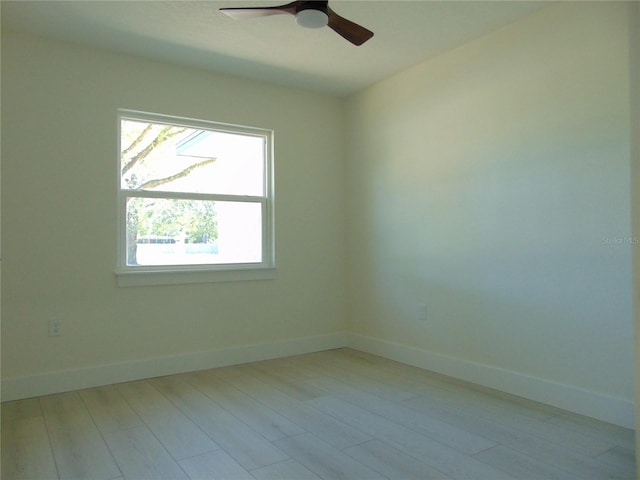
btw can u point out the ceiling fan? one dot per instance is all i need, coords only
(310, 14)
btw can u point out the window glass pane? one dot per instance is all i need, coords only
(163, 231)
(180, 159)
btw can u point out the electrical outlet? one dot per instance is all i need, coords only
(55, 327)
(422, 312)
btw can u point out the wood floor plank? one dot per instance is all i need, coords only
(287, 470)
(245, 445)
(523, 442)
(583, 444)
(263, 420)
(20, 410)
(624, 437)
(324, 460)
(514, 418)
(308, 363)
(437, 455)
(305, 416)
(422, 382)
(393, 463)
(523, 466)
(109, 410)
(141, 457)
(295, 388)
(225, 372)
(287, 366)
(620, 457)
(179, 435)
(26, 452)
(78, 448)
(216, 465)
(464, 394)
(417, 375)
(353, 375)
(443, 432)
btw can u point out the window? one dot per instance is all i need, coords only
(195, 201)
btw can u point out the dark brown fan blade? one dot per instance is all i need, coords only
(252, 12)
(347, 29)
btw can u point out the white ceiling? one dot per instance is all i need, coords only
(274, 48)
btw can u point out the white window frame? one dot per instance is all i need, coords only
(139, 275)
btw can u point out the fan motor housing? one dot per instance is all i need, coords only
(322, 6)
(312, 14)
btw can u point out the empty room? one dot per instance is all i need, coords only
(319, 240)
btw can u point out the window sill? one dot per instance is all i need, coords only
(175, 276)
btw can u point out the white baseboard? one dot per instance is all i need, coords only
(66, 380)
(610, 409)
(593, 404)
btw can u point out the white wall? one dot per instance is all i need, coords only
(634, 76)
(59, 171)
(492, 184)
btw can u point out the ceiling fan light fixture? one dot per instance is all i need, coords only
(312, 18)
(309, 14)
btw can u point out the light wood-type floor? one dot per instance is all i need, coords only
(340, 414)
